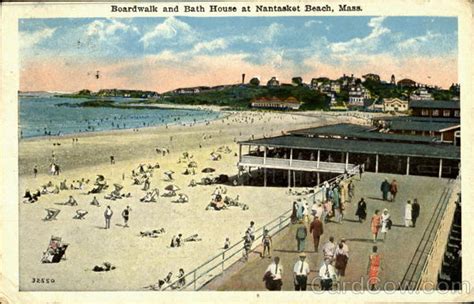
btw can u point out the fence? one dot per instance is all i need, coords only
(216, 265)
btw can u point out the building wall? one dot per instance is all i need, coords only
(435, 112)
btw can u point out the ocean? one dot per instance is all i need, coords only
(40, 115)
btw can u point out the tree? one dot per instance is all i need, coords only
(297, 81)
(255, 82)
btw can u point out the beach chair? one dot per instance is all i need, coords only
(55, 252)
(80, 214)
(52, 213)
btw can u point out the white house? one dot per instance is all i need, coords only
(395, 105)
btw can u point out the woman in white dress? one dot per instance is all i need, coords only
(408, 214)
(385, 224)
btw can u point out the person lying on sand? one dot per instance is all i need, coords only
(153, 233)
(193, 238)
(106, 266)
(161, 284)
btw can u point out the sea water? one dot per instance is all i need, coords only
(43, 116)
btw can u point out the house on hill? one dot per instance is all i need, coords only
(273, 82)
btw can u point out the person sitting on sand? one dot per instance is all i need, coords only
(71, 201)
(29, 198)
(182, 198)
(227, 243)
(63, 186)
(192, 183)
(176, 241)
(95, 202)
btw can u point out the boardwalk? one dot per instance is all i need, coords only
(397, 251)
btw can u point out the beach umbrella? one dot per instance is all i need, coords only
(172, 188)
(118, 186)
(100, 178)
(192, 164)
(208, 170)
(169, 172)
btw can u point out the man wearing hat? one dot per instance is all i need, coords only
(300, 272)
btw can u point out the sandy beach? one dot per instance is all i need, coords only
(142, 261)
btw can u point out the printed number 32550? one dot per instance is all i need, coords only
(43, 280)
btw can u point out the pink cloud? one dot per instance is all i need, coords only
(168, 72)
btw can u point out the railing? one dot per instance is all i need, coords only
(295, 164)
(216, 265)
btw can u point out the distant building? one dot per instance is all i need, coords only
(407, 83)
(392, 80)
(273, 82)
(435, 108)
(421, 94)
(289, 103)
(192, 90)
(395, 105)
(358, 95)
(335, 87)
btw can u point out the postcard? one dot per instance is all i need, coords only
(246, 151)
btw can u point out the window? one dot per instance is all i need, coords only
(446, 113)
(435, 112)
(425, 112)
(456, 113)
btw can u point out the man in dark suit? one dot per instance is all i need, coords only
(316, 228)
(415, 211)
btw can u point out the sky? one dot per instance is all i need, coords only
(161, 54)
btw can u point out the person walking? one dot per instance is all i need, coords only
(361, 170)
(108, 215)
(35, 171)
(361, 211)
(329, 248)
(337, 205)
(375, 224)
(316, 229)
(300, 273)
(267, 243)
(327, 273)
(341, 257)
(351, 191)
(272, 276)
(408, 214)
(301, 233)
(251, 230)
(125, 215)
(415, 211)
(247, 245)
(393, 190)
(386, 223)
(385, 188)
(373, 269)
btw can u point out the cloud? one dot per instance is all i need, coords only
(416, 42)
(209, 46)
(29, 39)
(171, 28)
(105, 29)
(358, 45)
(312, 22)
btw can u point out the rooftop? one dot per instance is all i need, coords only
(434, 104)
(401, 125)
(420, 119)
(353, 131)
(444, 151)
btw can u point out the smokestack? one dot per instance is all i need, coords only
(243, 78)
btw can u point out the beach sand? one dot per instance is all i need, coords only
(142, 261)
